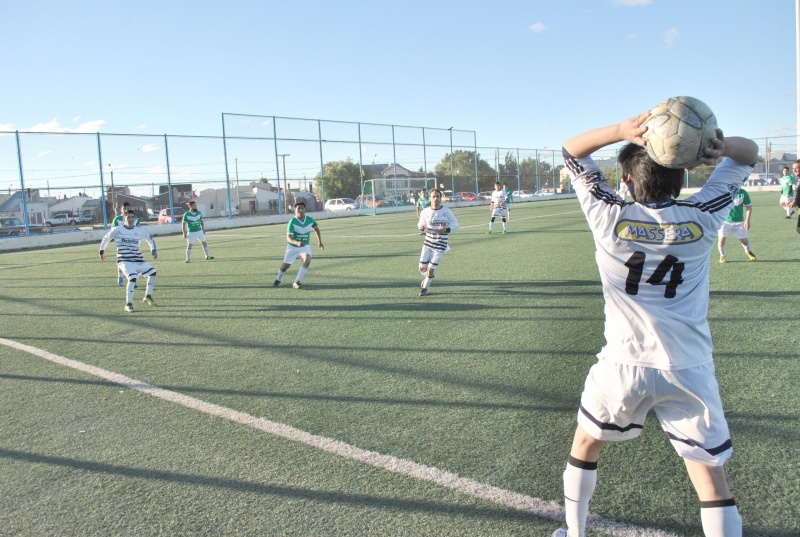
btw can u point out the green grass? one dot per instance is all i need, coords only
(482, 378)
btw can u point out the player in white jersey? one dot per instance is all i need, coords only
(653, 256)
(437, 222)
(498, 207)
(129, 257)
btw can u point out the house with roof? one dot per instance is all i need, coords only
(36, 206)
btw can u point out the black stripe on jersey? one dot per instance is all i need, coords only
(605, 196)
(711, 206)
(609, 426)
(726, 445)
(572, 163)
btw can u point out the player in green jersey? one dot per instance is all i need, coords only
(298, 233)
(194, 230)
(423, 202)
(738, 223)
(509, 199)
(787, 183)
(796, 202)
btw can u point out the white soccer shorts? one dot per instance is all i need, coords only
(293, 252)
(133, 269)
(617, 397)
(501, 213)
(193, 236)
(737, 228)
(785, 200)
(430, 257)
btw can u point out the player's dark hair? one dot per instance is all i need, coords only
(652, 182)
(130, 211)
(126, 204)
(299, 203)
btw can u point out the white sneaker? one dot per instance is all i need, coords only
(559, 533)
(128, 307)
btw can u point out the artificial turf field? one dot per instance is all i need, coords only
(480, 379)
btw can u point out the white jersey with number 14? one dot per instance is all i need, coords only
(654, 265)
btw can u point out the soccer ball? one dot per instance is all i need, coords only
(678, 131)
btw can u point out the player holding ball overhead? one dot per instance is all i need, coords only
(653, 258)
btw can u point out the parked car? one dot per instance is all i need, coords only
(341, 204)
(10, 226)
(165, 215)
(447, 196)
(62, 219)
(368, 201)
(485, 195)
(522, 194)
(467, 196)
(543, 193)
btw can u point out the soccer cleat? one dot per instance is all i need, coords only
(276, 283)
(296, 285)
(723, 259)
(504, 232)
(119, 281)
(149, 300)
(209, 257)
(423, 292)
(128, 307)
(187, 261)
(751, 256)
(489, 232)
(560, 533)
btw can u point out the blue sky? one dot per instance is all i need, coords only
(521, 74)
(526, 74)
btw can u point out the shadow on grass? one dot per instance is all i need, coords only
(237, 485)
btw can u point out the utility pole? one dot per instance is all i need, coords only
(113, 192)
(285, 183)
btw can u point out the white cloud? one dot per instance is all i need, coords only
(537, 27)
(148, 148)
(157, 169)
(6, 127)
(631, 3)
(50, 126)
(77, 118)
(90, 126)
(670, 36)
(55, 127)
(44, 153)
(633, 35)
(140, 127)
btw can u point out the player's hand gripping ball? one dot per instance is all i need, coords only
(678, 131)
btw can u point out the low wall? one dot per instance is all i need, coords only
(94, 235)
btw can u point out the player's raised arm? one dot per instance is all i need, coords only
(630, 130)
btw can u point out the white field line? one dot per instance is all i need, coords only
(514, 500)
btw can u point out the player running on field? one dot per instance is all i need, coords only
(436, 222)
(130, 259)
(118, 221)
(653, 257)
(738, 222)
(498, 207)
(194, 230)
(298, 233)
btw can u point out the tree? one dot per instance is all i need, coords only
(464, 169)
(534, 174)
(342, 180)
